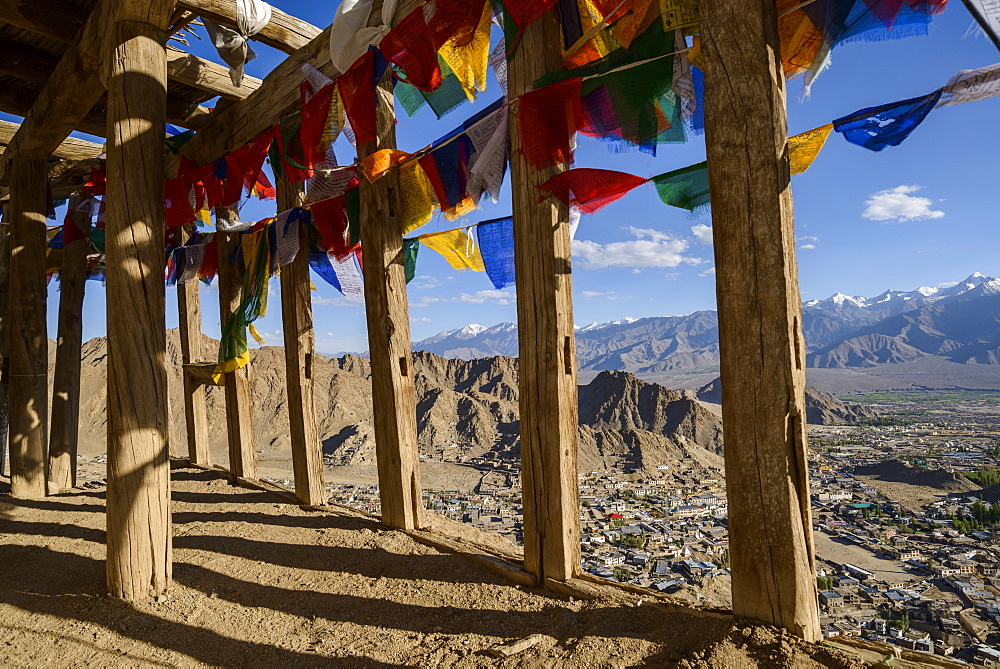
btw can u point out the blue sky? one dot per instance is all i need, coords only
(923, 213)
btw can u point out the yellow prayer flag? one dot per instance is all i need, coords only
(677, 14)
(804, 147)
(334, 120)
(469, 59)
(377, 164)
(416, 197)
(694, 54)
(463, 208)
(458, 247)
(800, 39)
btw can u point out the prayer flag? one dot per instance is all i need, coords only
(804, 147)
(467, 55)
(377, 164)
(410, 47)
(496, 245)
(416, 197)
(875, 128)
(410, 249)
(686, 188)
(591, 189)
(458, 247)
(972, 85)
(547, 120)
(243, 167)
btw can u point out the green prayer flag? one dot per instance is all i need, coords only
(410, 249)
(686, 188)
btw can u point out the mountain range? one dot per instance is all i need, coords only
(931, 337)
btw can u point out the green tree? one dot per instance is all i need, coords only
(622, 574)
(822, 582)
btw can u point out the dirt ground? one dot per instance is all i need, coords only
(260, 582)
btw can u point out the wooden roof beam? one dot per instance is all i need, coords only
(71, 148)
(61, 21)
(283, 32)
(278, 94)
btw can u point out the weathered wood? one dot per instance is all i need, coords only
(195, 411)
(206, 75)
(760, 333)
(393, 394)
(277, 95)
(239, 418)
(202, 374)
(52, 18)
(28, 340)
(64, 429)
(139, 538)
(547, 346)
(71, 148)
(4, 337)
(300, 351)
(18, 100)
(283, 32)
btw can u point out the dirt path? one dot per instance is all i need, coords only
(260, 582)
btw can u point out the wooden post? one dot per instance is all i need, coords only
(4, 339)
(189, 317)
(760, 332)
(65, 426)
(239, 420)
(139, 543)
(28, 340)
(547, 346)
(300, 349)
(393, 395)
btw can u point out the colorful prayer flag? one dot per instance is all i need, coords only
(875, 128)
(686, 188)
(591, 189)
(804, 147)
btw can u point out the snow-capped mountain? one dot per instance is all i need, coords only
(959, 323)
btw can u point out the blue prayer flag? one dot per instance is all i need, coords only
(876, 128)
(496, 244)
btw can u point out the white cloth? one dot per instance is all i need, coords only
(225, 224)
(288, 239)
(971, 86)
(232, 45)
(498, 59)
(489, 162)
(350, 35)
(683, 82)
(317, 80)
(989, 11)
(574, 221)
(194, 255)
(348, 275)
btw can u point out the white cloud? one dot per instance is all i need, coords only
(708, 272)
(608, 295)
(807, 247)
(702, 233)
(947, 284)
(419, 320)
(340, 301)
(650, 248)
(494, 296)
(424, 282)
(897, 205)
(808, 239)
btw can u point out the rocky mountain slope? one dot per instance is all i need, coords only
(821, 408)
(924, 327)
(466, 408)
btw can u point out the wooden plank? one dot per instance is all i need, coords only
(28, 340)
(4, 338)
(300, 351)
(206, 75)
(760, 333)
(393, 395)
(18, 100)
(195, 409)
(139, 538)
(547, 347)
(283, 32)
(276, 96)
(65, 424)
(239, 418)
(51, 18)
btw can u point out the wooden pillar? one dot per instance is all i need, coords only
(139, 542)
(239, 418)
(4, 338)
(28, 339)
(546, 342)
(760, 332)
(393, 395)
(189, 317)
(300, 349)
(64, 429)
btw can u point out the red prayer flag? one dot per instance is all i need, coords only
(409, 45)
(243, 167)
(357, 90)
(315, 117)
(97, 184)
(73, 232)
(525, 12)
(177, 199)
(210, 263)
(547, 118)
(591, 189)
(455, 19)
(330, 219)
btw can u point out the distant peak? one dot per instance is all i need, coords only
(472, 329)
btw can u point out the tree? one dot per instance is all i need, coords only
(585, 503)
(723, 561)
(822, 582)
(622, 574)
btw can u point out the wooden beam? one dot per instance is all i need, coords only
(760, 333)
(547, 346)
(139, 541)
(207, 76)
(239, 418)
(4, 338)
(277, 95)
(29, 415)
(18, 100)
(393, 394)
(283, 32)
(71, 148)
(195, 409)
(52, 18)
(65, 425)
(300, 351)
